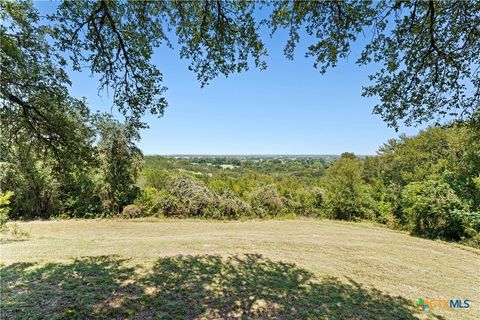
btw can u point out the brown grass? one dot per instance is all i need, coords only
(374, 258)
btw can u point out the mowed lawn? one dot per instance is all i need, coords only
(292, 269)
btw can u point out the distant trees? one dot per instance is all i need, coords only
(427, 184)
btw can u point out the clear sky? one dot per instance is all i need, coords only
(290, 108)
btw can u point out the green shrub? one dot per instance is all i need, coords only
(170, 205)
(4, 209)
(348, 196)
(149, 201)
(427, 207)
(154, 178)
(384, 213)
(155, 202)
(464, 225)
(313, 202)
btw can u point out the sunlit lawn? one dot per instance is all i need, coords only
(115, 269)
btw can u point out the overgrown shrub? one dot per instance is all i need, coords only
(155, 202)
(231, 206)
(132, 211)
(313, 202)
(267, 202)
(37, 190)
(154, 178)
(194, 197)
(427, 207)
(80, 196)
(384, 213)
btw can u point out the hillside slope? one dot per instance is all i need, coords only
(194, 269)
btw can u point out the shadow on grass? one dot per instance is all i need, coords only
(186, 287)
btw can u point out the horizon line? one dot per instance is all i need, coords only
(252, 154)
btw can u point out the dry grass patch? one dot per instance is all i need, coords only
(193, 269)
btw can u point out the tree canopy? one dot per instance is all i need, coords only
(427, 53)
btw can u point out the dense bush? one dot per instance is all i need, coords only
(428, 209)
(81, 196)
(154, 178)
(267, 202)
(348, 196)
(149, 201)
(384, 213)
(195, 198)
(465, 226)
(160, 203)
(4, 209)
(232, 207)
(132, 211)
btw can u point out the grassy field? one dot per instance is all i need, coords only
(115, 269)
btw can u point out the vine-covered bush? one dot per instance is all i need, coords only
(195, 198)
(132, 211)
(267, 202)
(232, 207)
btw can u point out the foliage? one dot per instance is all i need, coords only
(428, 208)
(267, 202)
(348, 196)
(427, 54)
(232, 207)
(4, 209)
(155, 202)
(35, 186)
(415, 183)
(427, 51)
(450, 152)
(116, 41)
(148, 201)
(195, 198)
(36, 111)
(120, 163)
(465, 226)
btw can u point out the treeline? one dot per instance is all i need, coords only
(94, 178)
(428, 184)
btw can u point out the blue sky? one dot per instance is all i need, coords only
(290, 108)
